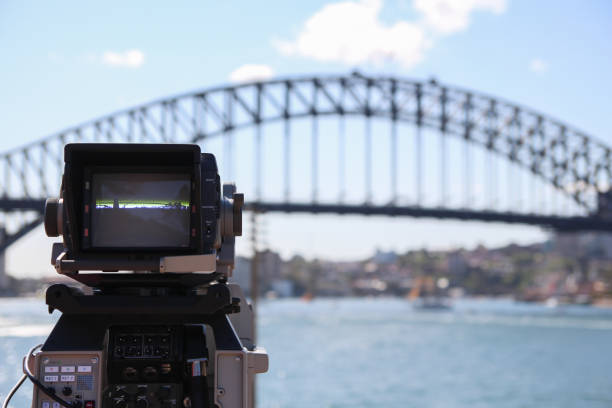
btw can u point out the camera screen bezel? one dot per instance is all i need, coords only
(88, 205)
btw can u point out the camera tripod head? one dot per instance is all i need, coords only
(156, 210)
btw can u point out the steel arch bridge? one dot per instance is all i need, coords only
(571, 164)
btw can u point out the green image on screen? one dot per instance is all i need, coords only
(140, 210)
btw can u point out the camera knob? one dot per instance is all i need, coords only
(120, 403)
(238, 204)
(121, 395)
(53, 216)
(163, 393)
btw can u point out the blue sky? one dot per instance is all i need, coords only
(66, 62)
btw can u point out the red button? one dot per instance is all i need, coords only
(90, 404)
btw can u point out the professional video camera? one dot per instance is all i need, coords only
(150, 229)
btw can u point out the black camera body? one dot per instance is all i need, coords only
(142, 207)
(165, 329)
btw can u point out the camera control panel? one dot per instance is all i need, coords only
(73, 376)
(143, 396)
(145, 367)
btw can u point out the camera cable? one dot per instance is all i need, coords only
(41, 386)
(13, 390)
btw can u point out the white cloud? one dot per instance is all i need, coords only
(449, 16)
(538, 65)
(352, 32)
(125, 59)
(251, 72)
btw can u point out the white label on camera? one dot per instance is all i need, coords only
(51, 378)
(84, 369)
(52, 369)
(45, 404)
(68, 369)
(67, 378)
(56, 405)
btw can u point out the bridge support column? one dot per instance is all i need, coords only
(254, 267)
(4, 281)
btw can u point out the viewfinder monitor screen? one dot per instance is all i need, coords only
(140, 210)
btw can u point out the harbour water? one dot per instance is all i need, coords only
(381, 352)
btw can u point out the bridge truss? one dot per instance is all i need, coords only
(468, 128)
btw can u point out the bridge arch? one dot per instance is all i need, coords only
(572, 162)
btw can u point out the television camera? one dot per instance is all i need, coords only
(150, 229)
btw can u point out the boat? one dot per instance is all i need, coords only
(432, 303)
(425, 295)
